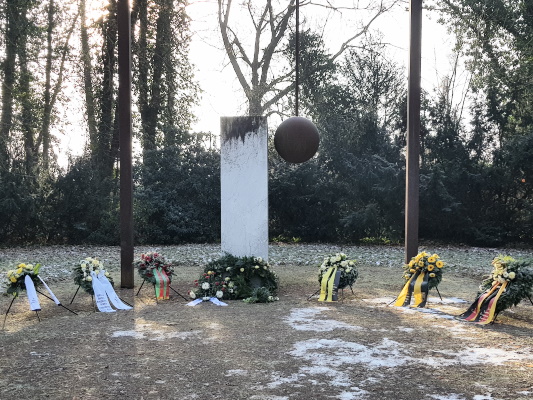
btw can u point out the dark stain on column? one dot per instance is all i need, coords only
(238, 127)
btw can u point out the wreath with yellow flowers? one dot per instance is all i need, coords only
(81, 273)
(519, 276)
(16, 277)
(424, 262)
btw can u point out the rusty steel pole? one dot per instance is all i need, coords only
(412, 178)
(125, 132)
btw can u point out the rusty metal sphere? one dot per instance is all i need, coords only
(296, 140)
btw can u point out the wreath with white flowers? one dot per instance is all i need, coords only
(519, 276)
(82, 273)
(151, 261)
(347, 268)
(424, 262)
(232, 278)
(17, 276)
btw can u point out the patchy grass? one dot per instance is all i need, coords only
(359, 348)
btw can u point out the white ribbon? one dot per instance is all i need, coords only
(217, 302)
(52, 295)
(194, 302)
(32, 294)
(100, 295)
(110, 292)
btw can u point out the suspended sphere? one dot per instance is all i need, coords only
(296, 140)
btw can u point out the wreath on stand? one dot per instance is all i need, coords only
(16, 277)
(149, 262)
(422, 273)
(510, 282)
(232, 278)
(81, 273)
(347, 268)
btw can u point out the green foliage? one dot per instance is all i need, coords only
(519, 275)
(260, 295)
(238, 276)
(177, 196)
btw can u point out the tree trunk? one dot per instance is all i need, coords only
(103, 154)
(87, 79)
(8, 68)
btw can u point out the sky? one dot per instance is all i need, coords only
(222, 94)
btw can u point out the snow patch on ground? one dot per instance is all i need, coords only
(303, 319)
(144, 333)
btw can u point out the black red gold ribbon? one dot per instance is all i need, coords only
(483, 309)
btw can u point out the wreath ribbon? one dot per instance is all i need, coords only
(162, 284)
(483, 310)
(417, 287)
(329, 284)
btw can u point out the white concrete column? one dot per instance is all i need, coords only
(244, 186)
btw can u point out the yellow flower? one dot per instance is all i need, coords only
(21, 265)
(13, 279)
(431, 267)
(412, 270)
(432, 259)
(440, 264)
(412, 263)
(435, 256)
(421, 263)
(19, 271)
(28, 267)
(432, 275)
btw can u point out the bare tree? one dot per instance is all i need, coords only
(256, 55)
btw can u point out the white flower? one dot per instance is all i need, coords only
(228, 269)
(96, 271)
(219, 294)
(230, 290)
(270, 298)
(227, 278)
(348, 269)
(206, 285)
(351, 263)
(505, 275)
(338, 258)
(259, 260)
(344, 264)
(106, 273)
(89, 278)
(512, 275)
(231, 284)
(192, 294)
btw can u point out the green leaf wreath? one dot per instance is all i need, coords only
(236, 278)
(424, 262)
(151, 261)
(82, 273)
(518, 273)
(16, 277)
(347, 268)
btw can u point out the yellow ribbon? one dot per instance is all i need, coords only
(326, 284)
